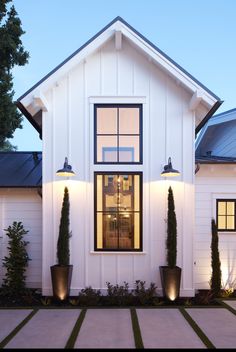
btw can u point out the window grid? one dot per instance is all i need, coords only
(139, 106)
(226, 215)
(117, 212)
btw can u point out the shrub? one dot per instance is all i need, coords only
(145, 296)
(16, 262)
(215, 281)
(171, 242)
(63, 251)
(118, 294)
(89, 297)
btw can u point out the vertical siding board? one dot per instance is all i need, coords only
(109, 68)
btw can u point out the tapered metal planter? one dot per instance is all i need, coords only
(170, 279)
(61, 280)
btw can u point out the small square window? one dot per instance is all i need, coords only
(226, 220)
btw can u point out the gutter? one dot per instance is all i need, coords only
(208, 116)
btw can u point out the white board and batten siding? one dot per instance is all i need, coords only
(23, 205)
(213, 182)
(117, 76)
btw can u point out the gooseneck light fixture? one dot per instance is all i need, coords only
(169, 171)
(66, 171)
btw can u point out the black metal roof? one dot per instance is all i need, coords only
(21, 169)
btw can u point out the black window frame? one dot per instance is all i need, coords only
(140, 174)
(225, 200)
(140, 134)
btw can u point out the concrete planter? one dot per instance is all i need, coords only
(61, 280)
(170, 279)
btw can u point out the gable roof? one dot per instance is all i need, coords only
(21, 169)
(119, 24)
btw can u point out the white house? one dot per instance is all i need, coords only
(118, 108)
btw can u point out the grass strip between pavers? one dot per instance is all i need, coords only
(136, 329)
(71, 341)
(8, 338)
(228, 307)
(197, 329)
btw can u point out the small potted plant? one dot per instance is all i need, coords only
(61, 273)
(171, 274)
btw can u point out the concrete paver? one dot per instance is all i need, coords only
(48, 328)
(232, 304)
(166, 328)
(218, 324)
(10, 318)
(106, 328)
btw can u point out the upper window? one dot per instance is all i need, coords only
(118, 134)
(226, 215)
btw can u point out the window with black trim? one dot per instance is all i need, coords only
(118, 211)
(225, 210)
(118, 134)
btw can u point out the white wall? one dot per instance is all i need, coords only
(23, 205)
(213, 182)
(168, 130)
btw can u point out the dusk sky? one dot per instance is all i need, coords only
(199, 35)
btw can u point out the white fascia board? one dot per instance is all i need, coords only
(168, 65)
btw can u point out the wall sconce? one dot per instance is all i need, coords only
(66, 171)
(169, 171)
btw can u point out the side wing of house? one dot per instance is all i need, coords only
(216, 198)
(20, 200)
(118, 109)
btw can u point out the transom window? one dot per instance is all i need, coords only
(226, 214)
(118, 134)
(118, 205)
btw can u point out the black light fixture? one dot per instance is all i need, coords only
(66, 171)
(169, 171)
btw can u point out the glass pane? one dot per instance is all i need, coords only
(221, 222)
(99, 230)
(106, 120)
(230, 208)
(99, 193)
(106, 148)
(110, 238)
(126, 232)
(222, 208)
(129, 149)
(136, 230)
(128, 120)
(136, 192)
(230, 222)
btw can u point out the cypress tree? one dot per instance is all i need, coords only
(17, 260)
(215, 260)
(11, 53)
(171, 242)
(63, 251)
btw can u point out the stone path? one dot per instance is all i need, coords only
(115, 328)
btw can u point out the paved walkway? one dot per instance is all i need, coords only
(158, 328)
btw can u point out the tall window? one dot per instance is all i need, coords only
(226, 214)
(118, 205)
(118, 134)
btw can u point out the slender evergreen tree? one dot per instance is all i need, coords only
(171, 242)
(16, 261)
(215, 260)
(63, 251)
(12, 53)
